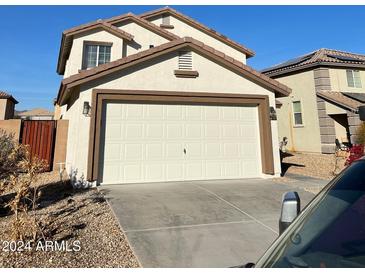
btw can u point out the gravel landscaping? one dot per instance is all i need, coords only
(315, 165)
(72, 215)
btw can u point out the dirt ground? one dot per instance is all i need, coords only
(321, 166)
(68, 216)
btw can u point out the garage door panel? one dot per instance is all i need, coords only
(111, 172)
(213, 169)
(133, 152)
(154, 112)
(114, 111)
(194, 170)
(193, 113)
(231, 131)
(133, 111)
(133, 172)
(133, 131)
(145, 143)
(232, 169)
(174, 171)
(113, 131)
(211, 114)
(231, 150)
(174, 151)
(212, 131)
(193, 131)
(174, 112)
(154, 131)
(154, 172)
(250, 168)
(154, 151)
(113, 152)
(230, 113)
(174, 131)
(213, 150)
(193, 151)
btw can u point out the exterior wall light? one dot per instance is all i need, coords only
(86, 109)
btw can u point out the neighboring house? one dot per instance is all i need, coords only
(7, 105)
(145, 103)
(327, 86)
(35, 114)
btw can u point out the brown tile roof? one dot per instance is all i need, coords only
(5, 95)
(36, 112)
(203, 28)
(105, 69)
(340, 98)
(327, 57)
(108, 25)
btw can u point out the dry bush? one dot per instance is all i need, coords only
(19, 173)
(360, 134)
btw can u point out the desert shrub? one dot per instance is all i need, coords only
(11, 155)
(18, 174)
(360, 134)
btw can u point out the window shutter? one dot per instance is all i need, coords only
(185, 60)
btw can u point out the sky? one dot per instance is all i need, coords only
(30, 37)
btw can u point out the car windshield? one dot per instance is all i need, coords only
(330, 232)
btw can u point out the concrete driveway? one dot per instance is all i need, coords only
(201, 223)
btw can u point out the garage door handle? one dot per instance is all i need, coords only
(184, 151)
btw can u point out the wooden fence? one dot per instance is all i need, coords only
(40, 136)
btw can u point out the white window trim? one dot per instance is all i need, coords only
(301, 111)
(353, 78)
(98, 44)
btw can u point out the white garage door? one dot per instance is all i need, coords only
(155, 143)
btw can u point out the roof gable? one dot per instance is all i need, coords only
(217, 56)
(199, 26)
(321, 57)
(107, 25)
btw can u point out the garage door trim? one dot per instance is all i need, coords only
(173, 97)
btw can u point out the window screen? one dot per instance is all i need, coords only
(297, 110)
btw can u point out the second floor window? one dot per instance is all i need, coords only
(96, 55)
(353, 78)
(298, 116)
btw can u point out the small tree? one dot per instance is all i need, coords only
(18, 175)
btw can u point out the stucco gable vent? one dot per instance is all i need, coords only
(185, 60)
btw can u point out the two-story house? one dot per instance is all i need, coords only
(327, 86)
(161, 97)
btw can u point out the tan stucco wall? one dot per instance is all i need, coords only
(11, 126)
(339, 80)
(305, 138)
(333, 109)
(182, 29)
(158, 75)
(6, 109)
(142, 39)
(2, 108)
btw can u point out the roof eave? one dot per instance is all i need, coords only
(286, 71)
(340, 104)
(248, 52)
(279, 89)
